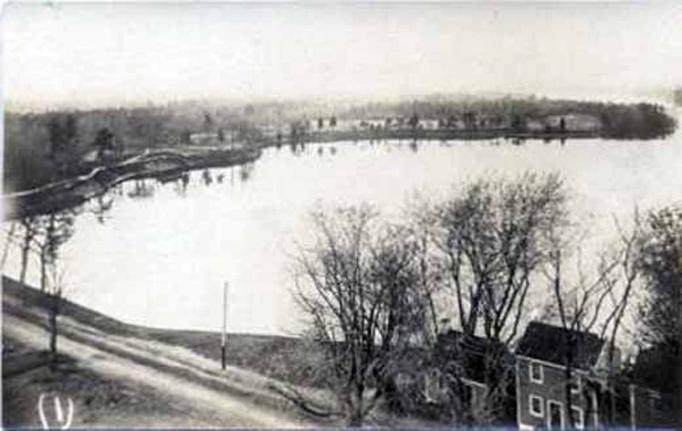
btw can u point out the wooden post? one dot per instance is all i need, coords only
(224, 334)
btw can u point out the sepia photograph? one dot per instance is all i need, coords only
(411, 215)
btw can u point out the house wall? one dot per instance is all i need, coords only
(478, 393)
(551, 388)
(426, 392)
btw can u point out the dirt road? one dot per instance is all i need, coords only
(206, 395)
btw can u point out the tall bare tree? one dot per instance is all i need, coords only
(9, 238)
(492, 239)
(589, 300)
(356, 287)
(56, 229)
(54, 291)
(30, 227)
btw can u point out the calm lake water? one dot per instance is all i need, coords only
(159, 256)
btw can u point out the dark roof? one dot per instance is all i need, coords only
(471, 350)
(551, 344)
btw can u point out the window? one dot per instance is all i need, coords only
(575, 385)
(536, 372)
(578, 417)
(432, 386)
(536, 406)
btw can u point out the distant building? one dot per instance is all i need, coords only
(540, 389)
(430, 124)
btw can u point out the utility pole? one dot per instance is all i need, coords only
(224, 335)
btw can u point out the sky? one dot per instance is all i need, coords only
(113, 54)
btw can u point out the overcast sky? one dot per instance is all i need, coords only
(112, 54)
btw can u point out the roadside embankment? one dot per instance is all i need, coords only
(118, 375)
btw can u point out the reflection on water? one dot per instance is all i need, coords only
(102, 205)
(142, 189)
(245, 171)
(207, 177)
(157, 253)
(414, 146)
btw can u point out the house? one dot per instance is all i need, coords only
(541, 396)
(450, 379)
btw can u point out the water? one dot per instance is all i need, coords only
(161, 259)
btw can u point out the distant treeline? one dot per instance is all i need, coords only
(43, 147)
(622, 121)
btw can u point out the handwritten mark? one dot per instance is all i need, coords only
(61, 421)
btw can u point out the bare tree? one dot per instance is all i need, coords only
(44, 235)
(30, 227)
(9, 238)
(56, 229)
(55, 291)
(492, 239)
(356, 288)
(25, 239)
(593, 300)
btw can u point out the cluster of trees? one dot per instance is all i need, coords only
(300, 128)
(484, 258)
(331, 123)
(41, 146)
(44, 147)
(660, 312)
(42, 237)
(641, 121)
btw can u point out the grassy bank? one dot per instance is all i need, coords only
(126, 375)
(271, 355)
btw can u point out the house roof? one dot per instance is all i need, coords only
(471, 351)
(551, 344)
(452, 348)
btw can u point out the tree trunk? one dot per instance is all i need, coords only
(354, 419)
(54, 311)
(568, 375)
(43, 270)
(5, 250)
(611, 388)
(354, 416)
(24, 257)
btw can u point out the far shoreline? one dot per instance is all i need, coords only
(171, 163)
